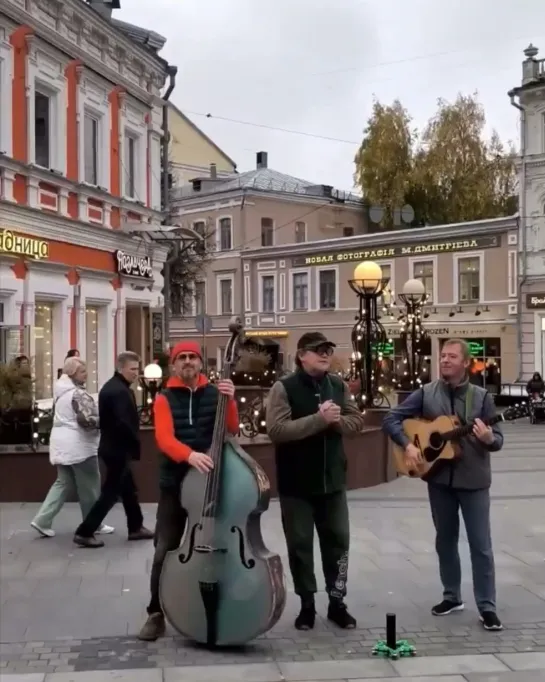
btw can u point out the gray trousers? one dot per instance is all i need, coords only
(446, 504)
(82, 478)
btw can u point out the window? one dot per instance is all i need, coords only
(199, 226)
(129, 163)
(225, 234)
(327, 289)
(300, 291)
(485, 367)
(200, 298)
(423, 270)
(42, 129)
(267, 294)
(386, 298)
(226, 297)
(267, 231)
(300, 232)
(90, 152)
(348, 231)
(91, 347)
(43, 350)
(468, 280)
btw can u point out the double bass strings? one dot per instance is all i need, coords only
(213, 477)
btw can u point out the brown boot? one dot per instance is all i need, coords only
(153, 628)
(90, 542)
(142, 534)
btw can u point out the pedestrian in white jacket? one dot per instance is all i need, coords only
(73, 448)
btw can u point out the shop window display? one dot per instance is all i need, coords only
(485, 367)
(43, 351)
(91, 346)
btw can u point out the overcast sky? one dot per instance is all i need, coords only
(313, 66)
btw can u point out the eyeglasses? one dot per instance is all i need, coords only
(187, 356)
(322, 350)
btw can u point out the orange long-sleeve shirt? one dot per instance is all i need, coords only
(164, 424)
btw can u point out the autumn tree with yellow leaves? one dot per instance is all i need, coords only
(449, 172)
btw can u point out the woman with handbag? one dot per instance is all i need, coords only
(73, 448)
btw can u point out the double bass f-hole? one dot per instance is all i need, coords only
(200, 549)
(247, 563)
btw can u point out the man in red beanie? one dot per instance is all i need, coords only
(185, 413)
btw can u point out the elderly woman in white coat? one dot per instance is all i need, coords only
(73, 448)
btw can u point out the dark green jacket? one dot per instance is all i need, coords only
(310, 458)
(193, 416)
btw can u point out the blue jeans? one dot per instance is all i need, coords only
(446, 504)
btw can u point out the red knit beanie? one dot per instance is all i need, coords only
(185, 347)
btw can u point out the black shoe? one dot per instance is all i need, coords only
(90, 542)
(307, 617)
(491, 621)
(142, 534)
(338, 614)
(446, 607)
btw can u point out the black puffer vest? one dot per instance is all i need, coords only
(193, 415)
(315, 465)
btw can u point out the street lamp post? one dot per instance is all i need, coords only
(413, 333)
(368, 334)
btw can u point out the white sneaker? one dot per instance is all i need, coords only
(105, 530)
(44, 532)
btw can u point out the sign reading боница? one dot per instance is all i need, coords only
(463, 244)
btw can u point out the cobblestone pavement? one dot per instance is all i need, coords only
(67, 609)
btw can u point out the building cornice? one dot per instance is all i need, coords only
(45, 226)
(363, 241)
(81, 188)
(79, 24)
(285, 197)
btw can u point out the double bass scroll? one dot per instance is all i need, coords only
(223, 587)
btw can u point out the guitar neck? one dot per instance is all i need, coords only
(465, 430)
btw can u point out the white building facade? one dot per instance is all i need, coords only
(529, 98)
(80, 160)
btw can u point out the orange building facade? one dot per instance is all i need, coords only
(80, 160)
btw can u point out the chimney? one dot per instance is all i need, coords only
(262, 160)
(213, 171)
(105, 7)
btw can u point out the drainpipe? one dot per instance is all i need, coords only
(171, 71)
(522, 225)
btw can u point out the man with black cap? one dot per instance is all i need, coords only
(308, 413)
(185, 413)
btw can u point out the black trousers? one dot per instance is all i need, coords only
(118, 483)
(329, 515)
(169, 530)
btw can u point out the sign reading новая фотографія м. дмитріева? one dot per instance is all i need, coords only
(396, 251)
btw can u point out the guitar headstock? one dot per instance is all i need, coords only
(233, 347)
(518, 411)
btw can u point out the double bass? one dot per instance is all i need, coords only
(222, 586)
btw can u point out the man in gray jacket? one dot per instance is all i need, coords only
(461, 484)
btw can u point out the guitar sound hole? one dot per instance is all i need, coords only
(436, 440)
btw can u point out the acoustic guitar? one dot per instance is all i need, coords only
(438, 440)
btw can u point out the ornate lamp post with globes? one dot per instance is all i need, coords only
(413, 334)
(368, 334)
(151, 384)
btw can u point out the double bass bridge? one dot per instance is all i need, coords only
(208, 549)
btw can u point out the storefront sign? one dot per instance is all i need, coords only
(157, 333)
(535, 301)
(19, 245)
(463, 244)
(456, 332)
(273, 333)
(133, 266)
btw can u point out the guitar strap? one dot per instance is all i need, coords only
(470, 395)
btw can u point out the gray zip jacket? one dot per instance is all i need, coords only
(472, 470)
